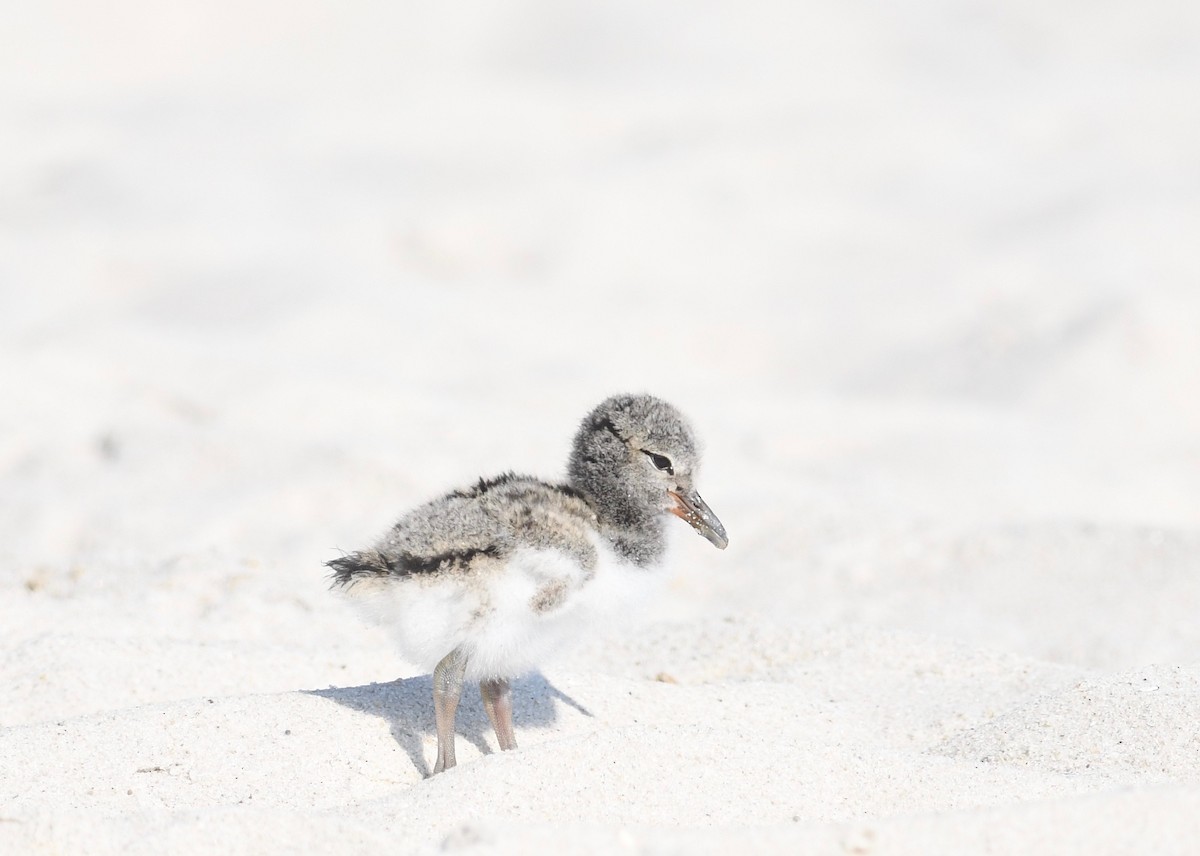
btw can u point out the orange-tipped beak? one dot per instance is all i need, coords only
(691, 508)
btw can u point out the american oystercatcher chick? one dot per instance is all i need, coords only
(483, 583)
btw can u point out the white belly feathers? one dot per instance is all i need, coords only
(508, 619)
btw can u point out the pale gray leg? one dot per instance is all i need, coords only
(497, 701)
(447, 687)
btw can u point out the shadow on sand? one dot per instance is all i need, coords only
(407, 706)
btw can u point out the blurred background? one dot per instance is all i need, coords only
(925, 276)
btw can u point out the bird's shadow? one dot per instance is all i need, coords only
(407, 706)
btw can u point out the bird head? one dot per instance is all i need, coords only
(637, 456)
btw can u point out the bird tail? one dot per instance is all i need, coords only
(357, 567)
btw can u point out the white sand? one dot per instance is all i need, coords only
(924, 276)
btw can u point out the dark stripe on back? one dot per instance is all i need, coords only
(572, 492)
(410, 564)
(374, 564)
(484, 485)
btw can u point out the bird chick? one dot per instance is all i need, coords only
(485, 582)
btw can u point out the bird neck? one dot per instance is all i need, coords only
(634, 532)
(640, 547)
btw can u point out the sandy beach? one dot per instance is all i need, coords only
(924, 278)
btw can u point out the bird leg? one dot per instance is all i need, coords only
(447, 687)
(497, 701)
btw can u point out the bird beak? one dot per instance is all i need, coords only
(695, 511)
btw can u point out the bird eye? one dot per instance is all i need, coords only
(661, 461)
